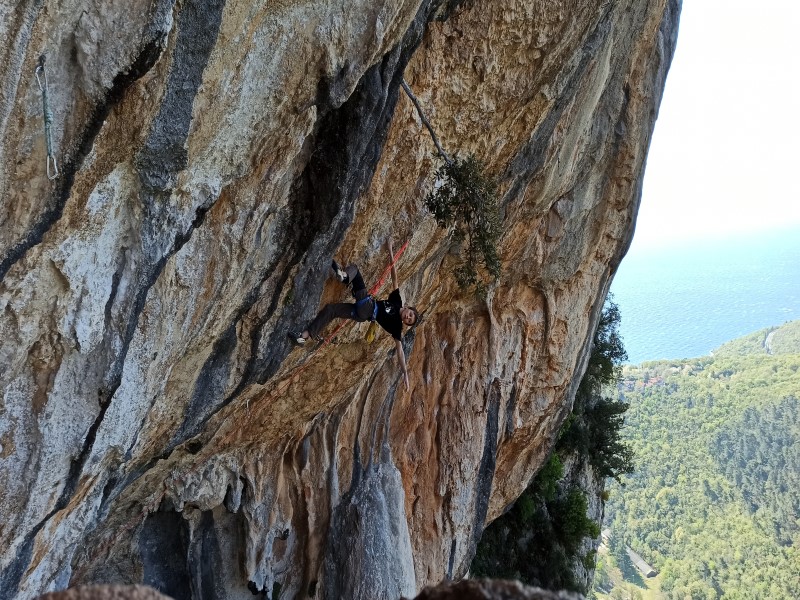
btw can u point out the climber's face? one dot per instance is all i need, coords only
(407, 316)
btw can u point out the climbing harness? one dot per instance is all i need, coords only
(361, 303)
(48, 119)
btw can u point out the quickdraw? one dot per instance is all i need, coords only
(48, 119)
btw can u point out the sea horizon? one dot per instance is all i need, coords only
(687, 299)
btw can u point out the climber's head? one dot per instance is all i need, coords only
(409, 315)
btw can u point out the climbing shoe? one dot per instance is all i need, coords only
(339, 273)
(297, 338)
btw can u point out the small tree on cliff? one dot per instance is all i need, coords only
(595, 426)
(464, 197)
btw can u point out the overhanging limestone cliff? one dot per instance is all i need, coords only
(155, 426)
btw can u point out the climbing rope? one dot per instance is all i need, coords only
(387, 270)
(48, 119)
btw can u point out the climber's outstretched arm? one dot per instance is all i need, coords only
(401, 358)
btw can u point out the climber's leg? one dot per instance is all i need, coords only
(339, 310)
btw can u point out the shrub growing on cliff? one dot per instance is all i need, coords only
(595, 426)
(546, 482)
(465, 199)
(570, 520)
(608, 352)
(536, 539)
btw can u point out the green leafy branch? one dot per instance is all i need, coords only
(464, 199)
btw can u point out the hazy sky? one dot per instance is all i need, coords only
(725, 157)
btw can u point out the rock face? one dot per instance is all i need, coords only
(156, 426)
(106, 592)
(488, 589)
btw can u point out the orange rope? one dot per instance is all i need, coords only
(386, 271)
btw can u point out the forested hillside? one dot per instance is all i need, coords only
(714, 502)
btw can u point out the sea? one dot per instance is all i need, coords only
(683, 301)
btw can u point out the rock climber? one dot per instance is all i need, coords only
(390, 313)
